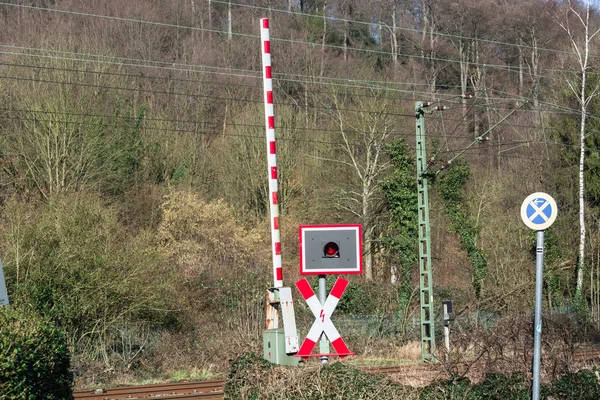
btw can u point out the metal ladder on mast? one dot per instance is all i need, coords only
(425, 275)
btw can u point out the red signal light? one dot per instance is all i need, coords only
(331, 250)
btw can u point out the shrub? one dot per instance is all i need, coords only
(251, 377)
(200, 236)
(581, 385)
(498, 386)
(84, 270)
(494, 386)
(34, 361)
(447, 390)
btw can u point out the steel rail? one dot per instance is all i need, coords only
(187, 390)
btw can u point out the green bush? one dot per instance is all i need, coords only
(251, 377)
(447, 390)
(581, 385)
(34, 361)
(85, 271)
(500, 387)
(494, 386)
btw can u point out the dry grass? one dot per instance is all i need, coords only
(382, 353)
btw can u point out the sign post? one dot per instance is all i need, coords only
(447, 306)
(538, 212)
(3, 292)
(323, 343)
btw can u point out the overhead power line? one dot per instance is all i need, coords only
(312, 80)
(208, 67)
(399, 28)
(337, 47)
(218, 124)
(309, 79)
(173, 130)
(192, 95)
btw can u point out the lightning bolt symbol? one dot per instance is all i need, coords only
(322, 315)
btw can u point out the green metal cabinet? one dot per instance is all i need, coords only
(274, 348)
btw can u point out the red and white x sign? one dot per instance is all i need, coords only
(323, 321)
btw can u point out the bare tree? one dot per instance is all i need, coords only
(576, 24)
(429, 39)
(365, 125)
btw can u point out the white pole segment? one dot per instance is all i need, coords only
(265, 40)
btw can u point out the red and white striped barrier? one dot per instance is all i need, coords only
(323, 321)
(271, 152)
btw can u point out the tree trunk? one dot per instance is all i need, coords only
(210, 24)
(323, 39)
(229, 23)
(428, 30)
(521, 67)
(394, 35)
(464, 73)
(581, 264)
(535, 67)
(194, 32)
(476, 79)
(345, 44)
(432, 71)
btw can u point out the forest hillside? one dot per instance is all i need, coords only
(134, 201)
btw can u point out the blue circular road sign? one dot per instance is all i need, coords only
(539, 211)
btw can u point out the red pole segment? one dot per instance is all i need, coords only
(271, 153)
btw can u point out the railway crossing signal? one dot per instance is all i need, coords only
(327, 249)
(330, 249)
(323, 323)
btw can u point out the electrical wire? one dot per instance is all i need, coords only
(174, 79)
(487, 143)
(336, 47)
(312, 81)
(573, 111)
(399, 28)
(141, 90)
(205, 133)
(131, 20)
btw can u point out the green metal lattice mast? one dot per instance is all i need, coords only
(425, 278)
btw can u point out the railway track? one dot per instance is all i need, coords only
(197, 390)
(411, 369)
(586, 355)
(215, 389)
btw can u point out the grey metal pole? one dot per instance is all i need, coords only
(537, 328)
(446, 313)
(3, 292)
(323, 343)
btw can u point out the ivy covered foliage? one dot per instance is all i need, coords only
(252, 377)
(451, 186)
(581, 385)
(34, 361)
(495, 386)
(400, 189)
